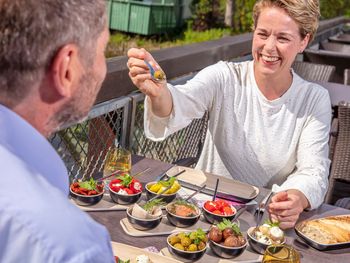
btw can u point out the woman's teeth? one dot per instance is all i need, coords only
(269, 59)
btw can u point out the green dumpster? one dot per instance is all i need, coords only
(145, 17)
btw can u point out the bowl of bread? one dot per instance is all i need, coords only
(326, 233)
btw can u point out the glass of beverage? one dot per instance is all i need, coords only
(281, 253)
(117, 159)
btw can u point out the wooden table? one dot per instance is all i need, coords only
(309, 254)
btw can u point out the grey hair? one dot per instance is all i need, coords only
(33, 31)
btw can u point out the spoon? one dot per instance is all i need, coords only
(157, 75)
(196, 192)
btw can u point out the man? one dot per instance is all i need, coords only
(52, 65)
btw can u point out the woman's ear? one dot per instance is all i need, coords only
(304, 43)
(65, 70)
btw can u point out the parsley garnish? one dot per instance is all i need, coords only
(228, 224)
(89, 185)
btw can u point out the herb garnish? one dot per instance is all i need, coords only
(198, 236)
(228, 224)
(156, 202)
(272, 224)
(89, 185)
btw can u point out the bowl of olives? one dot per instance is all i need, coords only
(226, 239)
(188, 246)
(154, 188)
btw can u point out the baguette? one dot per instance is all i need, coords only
(329, 230)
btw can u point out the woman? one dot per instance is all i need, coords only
(267, 126)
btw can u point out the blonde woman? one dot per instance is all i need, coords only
(267, 126)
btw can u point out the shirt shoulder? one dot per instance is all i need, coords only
(39, 224)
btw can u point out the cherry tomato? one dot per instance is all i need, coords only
(129, 191)
(217, 212)
(228, 211)
(210, 206)
(136, 186)
(115, 185)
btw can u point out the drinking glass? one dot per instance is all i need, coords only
(117, 159)
(281, 253)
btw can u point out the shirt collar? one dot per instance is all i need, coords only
(24, 141)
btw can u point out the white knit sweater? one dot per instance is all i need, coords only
(281, 143)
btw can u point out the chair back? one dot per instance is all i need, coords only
(339, 179)
(341, 61)
(313, 72)
(333, 46)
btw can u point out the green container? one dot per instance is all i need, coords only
(109, 9)
(145, 18)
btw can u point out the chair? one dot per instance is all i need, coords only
(313, 72)
(341, 61)
(339, 180)
(347, 76)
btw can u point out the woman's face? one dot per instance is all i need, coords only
(276, 42)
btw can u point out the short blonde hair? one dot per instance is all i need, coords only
(305, 13)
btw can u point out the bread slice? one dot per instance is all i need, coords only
(329, 230)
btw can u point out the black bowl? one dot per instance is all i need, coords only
(167, 198)
(182, 221)
(215, 218)
(86, 200)
(142, 224)
(124, 199)
(185, 256)
(256, 245)
(226, 252)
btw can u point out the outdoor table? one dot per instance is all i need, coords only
(111, 220)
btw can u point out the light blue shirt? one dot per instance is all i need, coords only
(37, 222)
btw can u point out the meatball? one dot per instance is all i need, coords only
(232, 241)
(215, 234)
(227, 232)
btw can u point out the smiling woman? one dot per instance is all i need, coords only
(267, 126)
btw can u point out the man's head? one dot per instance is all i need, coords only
(52, 50)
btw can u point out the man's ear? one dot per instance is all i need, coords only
(66, 70)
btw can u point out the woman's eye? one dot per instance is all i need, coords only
(283, 39)
(262, 35)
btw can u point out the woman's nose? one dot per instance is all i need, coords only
(270, 43)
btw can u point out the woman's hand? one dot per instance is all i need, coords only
(159, 94)
(140, 74)
(286, 207)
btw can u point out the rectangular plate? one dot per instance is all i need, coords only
(126, 252)
(314, 243)
(164, 228)
(228, 188)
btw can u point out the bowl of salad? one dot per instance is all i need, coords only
(86, 193)
(125, 189)
(261, 237)
(215, 211)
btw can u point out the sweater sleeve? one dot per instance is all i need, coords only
(312, 167)
(190, 101)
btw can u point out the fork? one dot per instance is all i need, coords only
(157, 75)
(259, 211)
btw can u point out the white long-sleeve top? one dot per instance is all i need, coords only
(281, 143)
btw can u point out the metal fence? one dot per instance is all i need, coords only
(84, 146)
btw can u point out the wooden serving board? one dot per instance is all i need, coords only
(164, 228)
(228, 188)
(248, 256)
(126, 252)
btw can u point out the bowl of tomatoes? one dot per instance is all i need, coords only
(87, 193)
(215, 211)
(125, 189)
